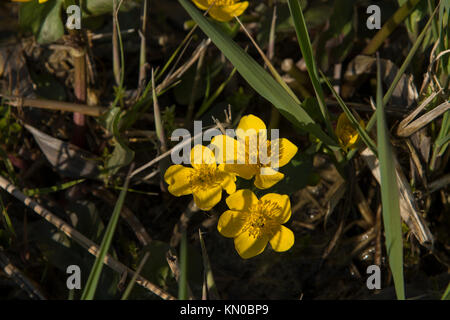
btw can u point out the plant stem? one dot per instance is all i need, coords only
(143, 53)
(80, 84)
(115, 44)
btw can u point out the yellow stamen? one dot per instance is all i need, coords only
(206, 176)
(260, 219)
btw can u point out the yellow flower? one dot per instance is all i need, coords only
(246, 159)
(222, 10)
(205, 180)
(253, 223)
(40, 1)
(347, 135)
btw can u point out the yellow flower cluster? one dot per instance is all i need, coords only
(251, 222)
(222, 10)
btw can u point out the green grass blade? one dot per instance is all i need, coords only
(205, 105)
(212, 292)
(361, 131)
(182, 285)
(130, 286)
(8, 165)
(307, 52)
(401, 14)
(6, 219)
(446, 295)
(55, 188)
(258, 78)
(442, 140)
(399, 74)
(408, 59)
(389, 195)
(269, 64)
(94, 276)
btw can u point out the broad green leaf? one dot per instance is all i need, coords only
(122, 154)
(389, 195)
(44, 20)
(257, 77)
(99, 7)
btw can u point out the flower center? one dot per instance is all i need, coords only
(261, 219)
(205, 177)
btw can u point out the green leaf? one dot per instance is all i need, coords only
(99, 7)
(257, 77)
(122, 154)
(44, 20)
(389, 195)
(307, 52)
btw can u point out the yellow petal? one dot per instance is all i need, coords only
(282, 201)
(251, 122)
(286, 151)
(241, 200)
(202, 155)
(207, 198)
(230, 223)
(247, 246)
(282, 240)
(226, 148)
(268, 179)
(227, 13)
(201, 4)
(347, 135)
(178, 179)
(246, 171)
(228, 180)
